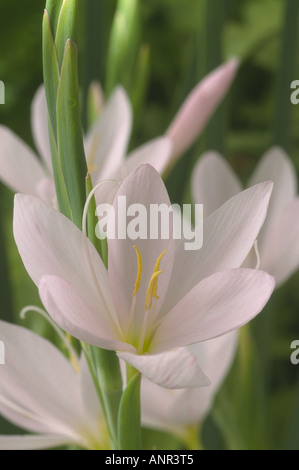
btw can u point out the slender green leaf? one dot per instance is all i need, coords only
(69, 132)
(50, 69)
(53, 7)
(123, 44)
(129, 428)
(67, 27)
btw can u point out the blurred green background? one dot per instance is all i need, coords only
(179, 42)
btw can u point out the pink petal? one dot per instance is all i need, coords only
(38, 379)
(107, 141)
(19, 166)
(173, 369)
(213, 182)
(229, 234)
(199, 106)
(88, 322)
(280, 254)
(50, 244)
(217, 305)
(276, 166)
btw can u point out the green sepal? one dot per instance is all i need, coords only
(129, 418)
(69, 133)
(67, 27)
(53, 7)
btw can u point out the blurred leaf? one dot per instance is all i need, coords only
(260, 22)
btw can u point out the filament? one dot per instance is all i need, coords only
(258, 259)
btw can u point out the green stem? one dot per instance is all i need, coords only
(110, 383)
(283, 107)
(215, 13)
(129, 418)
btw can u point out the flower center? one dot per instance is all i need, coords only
(148, 323)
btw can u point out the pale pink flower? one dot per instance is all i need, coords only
(213, 182)
(43, 393)
(171, 298)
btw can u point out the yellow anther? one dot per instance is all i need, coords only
(153, 284)
(139, 271)
(156, 269)
(152, 290)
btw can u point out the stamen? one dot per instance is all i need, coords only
(152, 290)
(65, 339)
(153, 284)
(258, 259)
(157, 267)
(90, 264)
(139, 271)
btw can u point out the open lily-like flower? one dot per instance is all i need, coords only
(214, 182)
(155, 296)
(178, 410)
(107, 141)
(42, 392)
